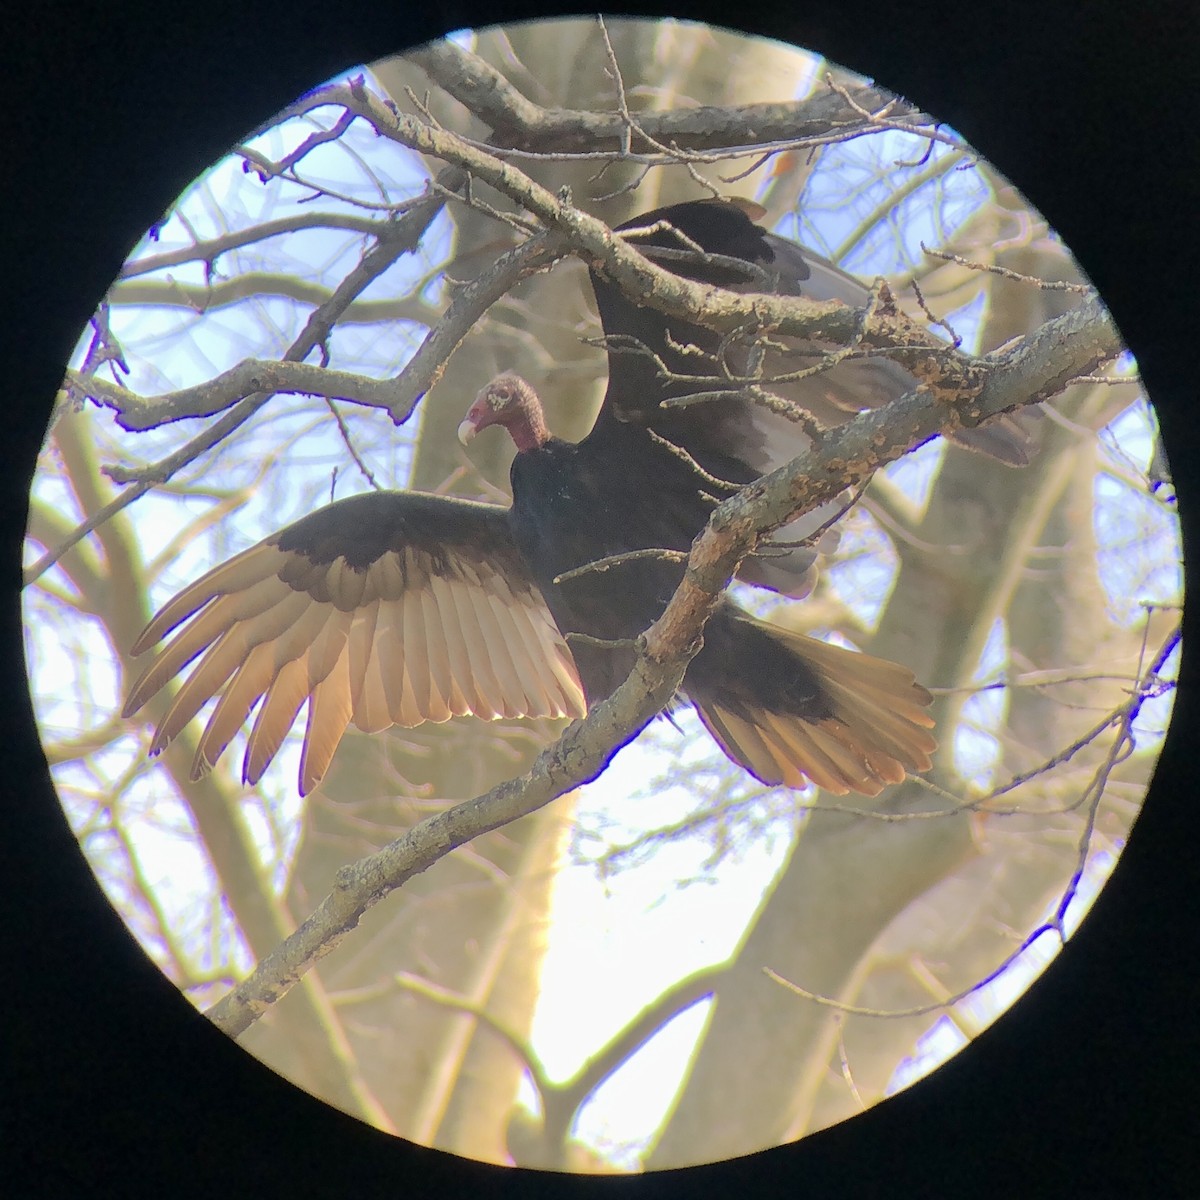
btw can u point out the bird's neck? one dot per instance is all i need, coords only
(528, 428)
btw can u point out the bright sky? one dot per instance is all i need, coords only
(616, 942)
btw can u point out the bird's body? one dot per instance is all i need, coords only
(396, 608)
(766, 696)
(567, 513)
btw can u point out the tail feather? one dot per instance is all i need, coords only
(896, 727)
(828, 762)
(743, 742)
(875, 732)
(795, 742)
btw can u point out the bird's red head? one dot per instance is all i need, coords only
(509, 401)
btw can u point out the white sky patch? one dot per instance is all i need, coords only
(976, 748)
(618, 941)
(619, 1120)
(1136, 543)
(864, 572)
(914, 474)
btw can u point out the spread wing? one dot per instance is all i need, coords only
(389, 608)
(750, 260)
(734, 437)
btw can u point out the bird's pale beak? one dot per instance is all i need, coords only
(467, 431)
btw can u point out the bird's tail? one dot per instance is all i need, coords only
(862, 725)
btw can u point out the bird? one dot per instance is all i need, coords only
(398, 607)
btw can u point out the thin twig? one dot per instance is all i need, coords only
(208, 250)
(614, 560)
(954, 338)
(631, 125)
(881, 117)
(1047, 285)
(919, 1010)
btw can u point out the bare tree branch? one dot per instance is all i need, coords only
(208, 297)
(879, 325)
(519, 124)
(425, 367)
(561, 1102)
(210, 249)
(396, 239)
(260, 379)
(1046, 285)
(252, 376)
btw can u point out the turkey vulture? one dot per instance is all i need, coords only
(394, 608)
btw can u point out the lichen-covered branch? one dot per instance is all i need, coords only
(250, 377)
(929, 358)
(568, 230)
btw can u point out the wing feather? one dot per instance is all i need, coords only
(280, 708)
(226, 653)
(426, 672)
(249, 682)
(508, 652)
(370, 645)
(741, 742)
(487, 652)
(444, 643)
(389, 659)
(387, 608)
(544, 648)
(328, 645)
(541, 659)
(187, 644)
(239, 573)
(361, 644)
(504, 656)
(329, 711)
(372, 708)
(464, 699)
(540, 665)
(419, 699)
